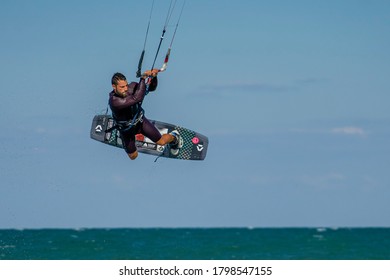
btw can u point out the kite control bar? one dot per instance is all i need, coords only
(169, 15)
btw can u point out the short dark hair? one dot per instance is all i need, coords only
(117, 77)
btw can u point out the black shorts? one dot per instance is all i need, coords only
(146, 128)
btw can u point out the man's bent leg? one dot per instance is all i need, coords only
(128, 140)
(150, 131)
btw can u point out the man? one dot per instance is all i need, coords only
(125, 103)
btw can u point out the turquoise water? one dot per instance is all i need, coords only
(196, 244)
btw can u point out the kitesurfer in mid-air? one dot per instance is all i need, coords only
(125, 103)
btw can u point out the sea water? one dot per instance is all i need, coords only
(196, 244)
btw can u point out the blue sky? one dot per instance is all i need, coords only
(293, 96)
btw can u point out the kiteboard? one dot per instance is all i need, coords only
(192, 146)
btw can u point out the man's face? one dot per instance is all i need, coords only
(120, 88)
